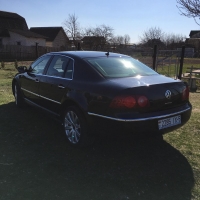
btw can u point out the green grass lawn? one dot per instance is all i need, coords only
(37, 163)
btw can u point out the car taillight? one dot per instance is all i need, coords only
(142, 101)
(123, 101)
(185, 94)
(129, 102)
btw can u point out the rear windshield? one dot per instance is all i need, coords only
(119, 67)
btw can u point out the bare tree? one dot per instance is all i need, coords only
(151, 34)
(173, 38)
(72, 27)
(127, 39)
(105, 31)
(119, 39)
(88, 32)
(189, 8)
(101, 31)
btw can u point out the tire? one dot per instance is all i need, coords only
(19, 100)
(76, 128)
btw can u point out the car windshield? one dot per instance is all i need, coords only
(119, 67)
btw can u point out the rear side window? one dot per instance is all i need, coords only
(57, 66)
(119, 67)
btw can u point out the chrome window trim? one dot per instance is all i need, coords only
(140, 119)
(40, 96)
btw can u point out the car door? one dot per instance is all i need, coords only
(55, 84)
(30, 80)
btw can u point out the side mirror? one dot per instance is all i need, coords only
(22, 69)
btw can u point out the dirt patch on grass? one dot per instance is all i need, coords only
(196, 110)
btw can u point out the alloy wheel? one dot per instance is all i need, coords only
(72, 127)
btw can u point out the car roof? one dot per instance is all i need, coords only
(88, 54)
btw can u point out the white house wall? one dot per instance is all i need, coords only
(15, 37)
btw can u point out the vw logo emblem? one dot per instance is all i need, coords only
(168, 94)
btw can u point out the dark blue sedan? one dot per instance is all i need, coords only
(89, 90)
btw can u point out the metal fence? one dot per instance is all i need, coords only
(166, 62)
(16, 52)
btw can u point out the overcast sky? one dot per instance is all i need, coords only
(131, 17)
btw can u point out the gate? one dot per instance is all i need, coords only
(168, 63)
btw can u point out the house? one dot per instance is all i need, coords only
(92, 42)
(194, 41)
(152, 42)
(14, 31)
(55, 36)
(20, 37)
(194, 34)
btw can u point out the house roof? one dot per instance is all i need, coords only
(9, 14)
(4, 33)
(9, 20)
(49, 32)
(28, 34)
(194, 32)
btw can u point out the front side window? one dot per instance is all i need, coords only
(38, 66)
(119, 67)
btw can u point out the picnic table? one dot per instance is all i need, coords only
(190, 77)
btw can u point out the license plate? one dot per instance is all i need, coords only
(168, 122)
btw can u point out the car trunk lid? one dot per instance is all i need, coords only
(161, 92)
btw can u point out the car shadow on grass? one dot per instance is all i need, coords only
(36, 162)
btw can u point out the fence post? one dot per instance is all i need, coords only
(181, 62)
(79, 46)
(36, 49)
(154, 57)
(20, 54)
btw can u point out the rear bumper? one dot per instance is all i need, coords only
(142, 119)
(142, 123)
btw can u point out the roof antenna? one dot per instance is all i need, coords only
(107, 54)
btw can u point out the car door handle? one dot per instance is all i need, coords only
(37, 80)
(61, 86)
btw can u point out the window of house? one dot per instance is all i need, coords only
(19, 43)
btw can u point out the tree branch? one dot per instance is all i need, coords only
(189, 8)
